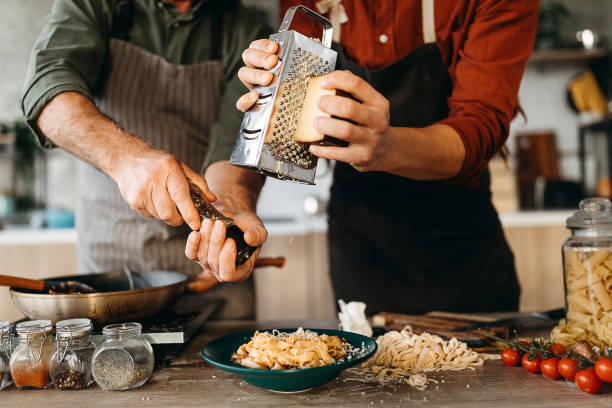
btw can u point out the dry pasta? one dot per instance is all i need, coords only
(280, 351)
(588, 281)
(407, 355)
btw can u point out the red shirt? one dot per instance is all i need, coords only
(484, 43)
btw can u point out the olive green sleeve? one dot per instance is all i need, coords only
(67, 56)
(240, 29)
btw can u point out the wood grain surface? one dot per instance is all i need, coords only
(189, 382)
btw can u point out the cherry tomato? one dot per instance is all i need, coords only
(533, 366)
(558, 349)
(603, 369)
(510, 358)
(549, 368)
(588, 381)
(567, 368)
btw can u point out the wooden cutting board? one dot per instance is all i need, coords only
(446, 328)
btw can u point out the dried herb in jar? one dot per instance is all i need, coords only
(113, 376)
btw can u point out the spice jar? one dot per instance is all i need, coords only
(70, 364)
(29, 360)
(124, 360)
(587, 264)
(5, 354)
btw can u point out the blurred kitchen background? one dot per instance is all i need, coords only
(560, 150)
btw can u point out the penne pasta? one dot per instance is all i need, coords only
(574, 264)
(596, 259)
(602, 294)
(581, 319)
(581, 303)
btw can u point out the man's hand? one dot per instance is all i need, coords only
(237, 190)
(366, 128)
(154, 183)
(217, 255)
(259, 57)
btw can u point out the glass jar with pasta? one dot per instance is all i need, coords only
(587, 263)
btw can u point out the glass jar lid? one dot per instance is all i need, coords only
(34, 327)
(73, 328)
(594, 212)
(122, 329)
(5, 328)
(5, 338)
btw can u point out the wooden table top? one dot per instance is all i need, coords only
(189, 382)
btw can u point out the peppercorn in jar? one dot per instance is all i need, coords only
(5, 354)
(70, 364)
(29, 360)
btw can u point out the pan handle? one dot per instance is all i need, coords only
(23, 283)
(278, 262)
(202, 285)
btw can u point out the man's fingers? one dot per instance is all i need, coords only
(191, 247)
(356, 86)
(338, 128)
(144, 212)
(344, 154)
(165, 207)
(202, 255)
(346, 108)
(264, 45)
(245, 102)
(254, 58)
(252, 76)
(199, 181)
(178, 188)
(227, 262)
(255, 234)
(217, 239)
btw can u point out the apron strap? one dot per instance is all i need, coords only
(123, 14)
(216, 36)
(429, 22)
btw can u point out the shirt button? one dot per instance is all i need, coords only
(160, 4)
(383, 38)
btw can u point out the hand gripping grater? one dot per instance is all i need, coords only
(265, 142)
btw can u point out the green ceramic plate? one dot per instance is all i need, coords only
(219, 354)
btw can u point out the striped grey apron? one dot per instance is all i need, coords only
(171, 107)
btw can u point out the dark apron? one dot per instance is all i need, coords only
(412, 246)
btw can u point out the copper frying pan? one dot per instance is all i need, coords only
(154, 291)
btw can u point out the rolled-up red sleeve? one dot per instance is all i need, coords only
(486, 79)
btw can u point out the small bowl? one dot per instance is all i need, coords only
(219, 352)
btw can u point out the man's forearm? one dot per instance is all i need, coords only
(73, 123)
(236, 189)
(432, 153)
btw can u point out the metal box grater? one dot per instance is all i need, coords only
(265, 141)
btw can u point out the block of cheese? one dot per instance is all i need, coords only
(305, 131)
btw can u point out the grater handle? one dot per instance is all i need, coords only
(328, 29)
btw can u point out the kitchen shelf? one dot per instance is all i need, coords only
(566, 55)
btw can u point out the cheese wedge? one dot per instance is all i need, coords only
(305, 131)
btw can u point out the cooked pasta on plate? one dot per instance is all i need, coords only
(281, 350)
